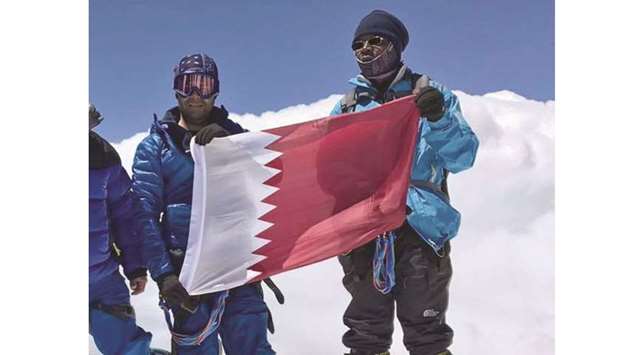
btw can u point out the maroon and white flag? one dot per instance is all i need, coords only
(269, 201)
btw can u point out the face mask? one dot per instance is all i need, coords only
(384, 63)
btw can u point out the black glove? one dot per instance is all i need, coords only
(430, 103)
(206, 134)
(173, 291)
(94, 117)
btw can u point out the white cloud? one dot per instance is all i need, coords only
(502, 292)
(288, 115)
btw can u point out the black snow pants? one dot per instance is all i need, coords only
(420, 297)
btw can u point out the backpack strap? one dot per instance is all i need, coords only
(444, 184)
(348, 102)
(414, 79)
(276, 291)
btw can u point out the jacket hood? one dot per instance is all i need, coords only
(101, 154)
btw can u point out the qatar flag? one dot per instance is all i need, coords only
(274, 200)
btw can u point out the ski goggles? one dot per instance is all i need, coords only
(376, 41)
(186, 84)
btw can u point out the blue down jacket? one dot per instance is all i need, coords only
(448, 143)
(163, 173)
(111, 215)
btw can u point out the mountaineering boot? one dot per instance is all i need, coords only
(447, 352)
(357, 352)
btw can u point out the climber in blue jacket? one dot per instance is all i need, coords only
(415, 272)
(112, 241)
(163, 172)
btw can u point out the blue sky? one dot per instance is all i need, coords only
(273, 53)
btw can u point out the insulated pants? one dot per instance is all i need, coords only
(115, 332)
(243, 328)
(420, 297)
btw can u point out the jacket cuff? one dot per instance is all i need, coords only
(161, 277)
(135, 273)
(442, 123)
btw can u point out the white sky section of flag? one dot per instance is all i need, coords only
(235, 162)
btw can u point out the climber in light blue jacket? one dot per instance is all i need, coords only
(410, 266)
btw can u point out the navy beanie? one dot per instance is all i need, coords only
(380, 22)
